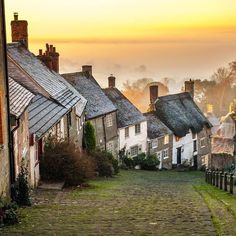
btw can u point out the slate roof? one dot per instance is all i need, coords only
(20, 98)
(155, 127)
(127, 113)
(98, 103)
(22, 78)
(43, 115)
(180, 114)
(55, 85)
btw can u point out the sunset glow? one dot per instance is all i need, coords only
(178, 30)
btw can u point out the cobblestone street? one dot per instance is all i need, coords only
(134, 203)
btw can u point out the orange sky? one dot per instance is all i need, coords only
(134, 38)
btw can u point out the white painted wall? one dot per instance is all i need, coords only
(186, 144)
(133, 139)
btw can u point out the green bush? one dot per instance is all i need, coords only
(150, 163)
(89, 138)
(106, 164)
(129, 162)
(139, 159)
(21, 188)
(8, 213)
(62, 162)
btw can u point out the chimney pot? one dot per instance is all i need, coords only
(51, 48)
(87, 68)
(54, 49)
(189, 87)
(111, 81)
(15, 16)
(40, 52)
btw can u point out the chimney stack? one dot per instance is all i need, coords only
(189, 87)
(153, 96)
(88, 69)
(50, 57)
(111, 81)
(19, 30)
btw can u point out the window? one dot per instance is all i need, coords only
(205, 160)
(134, 151)
(154, 143)
(202, 142)
(137, 129)
(69, 119)
(127, 132)
(109, 120)
(166, 139)
(165, 153)
(195, 145)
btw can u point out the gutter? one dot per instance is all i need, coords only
(10, 146)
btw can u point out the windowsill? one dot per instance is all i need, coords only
(164, 158)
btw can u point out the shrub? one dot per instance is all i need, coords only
(129, 162)
(139, 159)
(150, 163)
(89, 139)
(62, 162)
(8, 213)
(21, 188)
(106, 164)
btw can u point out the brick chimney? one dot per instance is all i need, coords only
(50, 57)
(189, 87)
(19, 30)
(88, 69)
(153, 96)
(111, 81)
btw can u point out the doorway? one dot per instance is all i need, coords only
(179, 156)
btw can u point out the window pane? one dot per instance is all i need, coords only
(137, 129)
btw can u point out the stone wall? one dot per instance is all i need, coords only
(166, 162)
(106, 135)
(204, 147)
(221, 161)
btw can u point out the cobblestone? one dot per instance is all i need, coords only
(134, 203)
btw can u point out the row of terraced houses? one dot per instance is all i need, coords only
(40, 102)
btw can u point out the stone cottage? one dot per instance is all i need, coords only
(191, 129)
(100, 111)
(132, 125)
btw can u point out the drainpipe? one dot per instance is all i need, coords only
(10, 148)
(13, 153)
(104, 130)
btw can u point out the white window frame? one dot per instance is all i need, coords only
(134, 154)
(109, 120)
(165, 153)
(203, 140)
(154, 141)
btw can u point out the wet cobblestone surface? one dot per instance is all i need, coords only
(134, 203)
